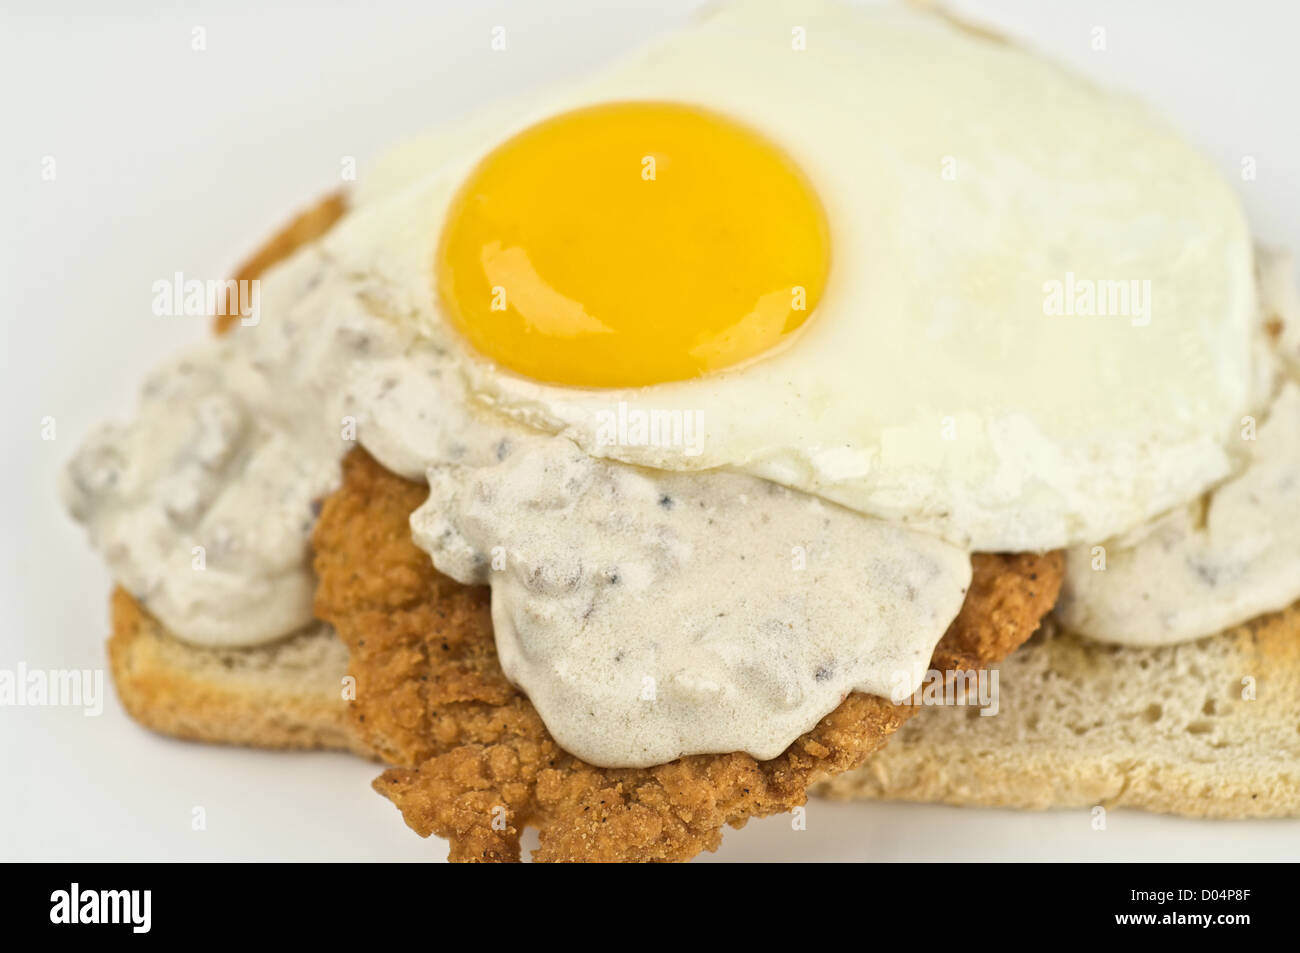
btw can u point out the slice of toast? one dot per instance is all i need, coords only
(1207, 729)
(289, 694)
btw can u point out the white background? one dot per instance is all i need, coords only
(172, 160)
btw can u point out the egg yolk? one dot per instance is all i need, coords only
(632, 243)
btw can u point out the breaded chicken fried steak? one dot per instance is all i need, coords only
(475, 763)
(629, 460)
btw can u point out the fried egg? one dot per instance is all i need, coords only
(825, 245)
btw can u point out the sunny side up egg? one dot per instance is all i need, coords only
(826, 248)
(631, 244)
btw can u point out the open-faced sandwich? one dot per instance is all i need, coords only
(625, 461)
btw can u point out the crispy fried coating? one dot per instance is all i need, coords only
(476, 764)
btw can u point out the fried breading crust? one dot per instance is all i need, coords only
(476, 764)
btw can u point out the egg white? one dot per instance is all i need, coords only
(960, 175)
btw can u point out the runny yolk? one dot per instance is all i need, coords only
(632, 243)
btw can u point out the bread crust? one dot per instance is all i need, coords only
(289, 694)
(307, 226)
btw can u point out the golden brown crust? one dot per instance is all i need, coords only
(285, 695)
(307, 226)
(476, 764)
